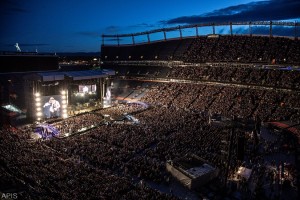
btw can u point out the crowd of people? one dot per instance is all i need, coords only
(228, 100)
(251, 75)
(277, 76)
(116, 153)
(110, 161)
(43, 172)
(255, 49)
(103, 159)
(235, 48)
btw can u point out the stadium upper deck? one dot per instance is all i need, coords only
(249, 48)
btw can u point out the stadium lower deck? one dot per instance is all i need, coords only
(103, 154)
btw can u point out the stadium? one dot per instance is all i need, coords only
(212, 116)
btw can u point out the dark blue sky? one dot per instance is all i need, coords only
(77, 25)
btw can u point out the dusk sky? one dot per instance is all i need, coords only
(76, 26)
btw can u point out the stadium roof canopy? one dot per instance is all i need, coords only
(74, 75)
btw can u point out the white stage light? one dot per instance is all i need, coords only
(38, 104)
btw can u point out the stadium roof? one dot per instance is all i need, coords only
(88, 74)
(74, 75)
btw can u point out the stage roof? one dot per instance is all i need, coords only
(87, 74)
(51, 76)
(75, 75)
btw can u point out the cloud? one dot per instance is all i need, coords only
(232, 10)
(128, 29)
(90, 34)
(112, 29)
(10, 7)
(254, 11)
(142, 25)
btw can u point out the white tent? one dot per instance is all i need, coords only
(244, 172)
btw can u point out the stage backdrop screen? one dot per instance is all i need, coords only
(51, 106)
(87, 88)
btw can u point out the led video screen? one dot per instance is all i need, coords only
(87, 88)
(51, 106)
